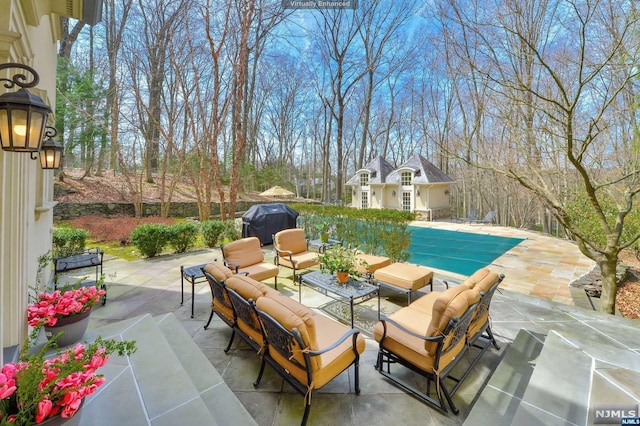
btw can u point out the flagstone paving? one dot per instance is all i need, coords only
(534, 296)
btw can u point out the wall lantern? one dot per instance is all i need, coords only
(373, 193)
(393, 193)
(51, 151)
(446, 192)
(23, 115)
(418, 192)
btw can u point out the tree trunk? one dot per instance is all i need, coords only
(609, 284)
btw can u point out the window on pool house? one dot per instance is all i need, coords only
(406, 200)
(364, 179)
(364, 201)
(405, 179)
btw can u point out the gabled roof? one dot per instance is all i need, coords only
(424, 172)
(378, 170)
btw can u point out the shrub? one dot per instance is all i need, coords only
(231, 232)
(67, 241)
(150, 238)
(211, 232)
(182, 236)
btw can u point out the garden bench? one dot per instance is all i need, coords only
(87, 258)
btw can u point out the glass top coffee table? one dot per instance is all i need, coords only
(353, 292)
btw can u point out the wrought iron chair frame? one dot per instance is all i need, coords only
(278, 338)
(457, 329)
(218, 291)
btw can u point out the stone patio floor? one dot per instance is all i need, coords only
(534, 296)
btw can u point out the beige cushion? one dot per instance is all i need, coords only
(289, 320)
(301, 260)
(218, 271)
(373, 263)
(261, 271)
(249, 288)
(404, 275)
(317, 332)
(452, 303)
(292, 240)
(243, 252)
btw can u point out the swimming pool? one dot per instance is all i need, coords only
(455, 251)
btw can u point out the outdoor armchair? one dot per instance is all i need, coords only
(246, 256)
(307, 349)
(292, 250)
(429, 340)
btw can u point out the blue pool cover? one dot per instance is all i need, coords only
(458, 252)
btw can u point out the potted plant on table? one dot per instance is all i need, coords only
(341, 261)
(323, 231)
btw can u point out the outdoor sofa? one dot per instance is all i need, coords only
(306, 348)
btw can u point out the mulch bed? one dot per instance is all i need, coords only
(628, 298)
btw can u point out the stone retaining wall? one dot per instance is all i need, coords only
(68, 211)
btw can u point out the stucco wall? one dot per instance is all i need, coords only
(26, 218)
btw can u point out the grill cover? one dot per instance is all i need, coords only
(264, 220)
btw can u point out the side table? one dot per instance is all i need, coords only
(194, 275)
(322, 246)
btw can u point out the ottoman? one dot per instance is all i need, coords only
(404, 277)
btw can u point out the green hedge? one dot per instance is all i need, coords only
(374, 231)
(68, 240)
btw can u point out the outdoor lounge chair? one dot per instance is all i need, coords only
(246, 256)
(429, 339)
(473, 215)
(292, 250)
(489, 218)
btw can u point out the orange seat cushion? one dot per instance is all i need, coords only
(404, 275)
(243, 252)
(292, 240)
(373, 263)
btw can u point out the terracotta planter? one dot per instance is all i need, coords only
(342, 277)
(73, 328)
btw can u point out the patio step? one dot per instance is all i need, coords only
(167, 381)
(557, 379)
(500, 399)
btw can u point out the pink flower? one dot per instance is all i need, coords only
(44, 409)
(71, 403)
(7, 386)
(52, 306)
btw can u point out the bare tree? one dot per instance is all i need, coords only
(563, 68)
